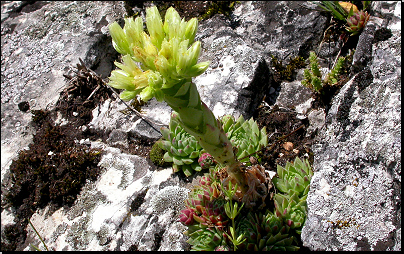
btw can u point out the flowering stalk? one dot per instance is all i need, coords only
(168, 58)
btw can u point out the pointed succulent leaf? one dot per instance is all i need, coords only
(167, 157)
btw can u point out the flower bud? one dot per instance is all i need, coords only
(129, 66)
(154, 26)
(171, 23)
(128, 95)
(153, 87)
(121, 80)
(197, 69)
(119, 39)
(190, 30)
(133, 30)
(182, 58)
(193, 53)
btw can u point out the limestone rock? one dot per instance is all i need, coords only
(40, 42)
(355, 194)
(129, 205)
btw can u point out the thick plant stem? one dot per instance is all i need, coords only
(198, 120)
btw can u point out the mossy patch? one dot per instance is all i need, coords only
(156, 156)
(289, 71)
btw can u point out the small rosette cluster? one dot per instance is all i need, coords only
(167, 55)
(265, 232)
(182, 149)
(357, 22)
(244, 135)
(205, 215)
(294, 181)
(206, 161)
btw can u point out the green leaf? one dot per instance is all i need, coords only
(167, 157)
(178, 161)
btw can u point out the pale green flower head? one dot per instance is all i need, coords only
(167, 55)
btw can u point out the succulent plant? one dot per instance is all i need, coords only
(205, 215)
(292, 209)
(205, 238)
(345, 11)
(357, 22)
(244, 135)
(205, 205)
(294, 177)
(168, 57)
(294, 181)
(265, 232)
(181, 148)
(206, 161)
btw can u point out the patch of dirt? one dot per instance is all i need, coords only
(55, 167)
(286, 136)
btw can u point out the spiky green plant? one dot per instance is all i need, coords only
(332, 77)
(245, 136)
(312, 75)
(182, 149)
(294, 176)
(265, 232)
(168, 57)
(294, 181)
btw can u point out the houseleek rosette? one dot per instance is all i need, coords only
(357, 22)
(244, 135)
(294, 177)
(265, 232)
(168, 60)
(294, 181)
(182, 149)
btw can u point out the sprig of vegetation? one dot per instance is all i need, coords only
(40, 238)
(313, 77)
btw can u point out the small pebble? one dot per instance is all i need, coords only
(288, 146)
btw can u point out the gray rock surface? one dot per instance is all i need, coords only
(133, 205)
(358, 156)
(39, 44)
